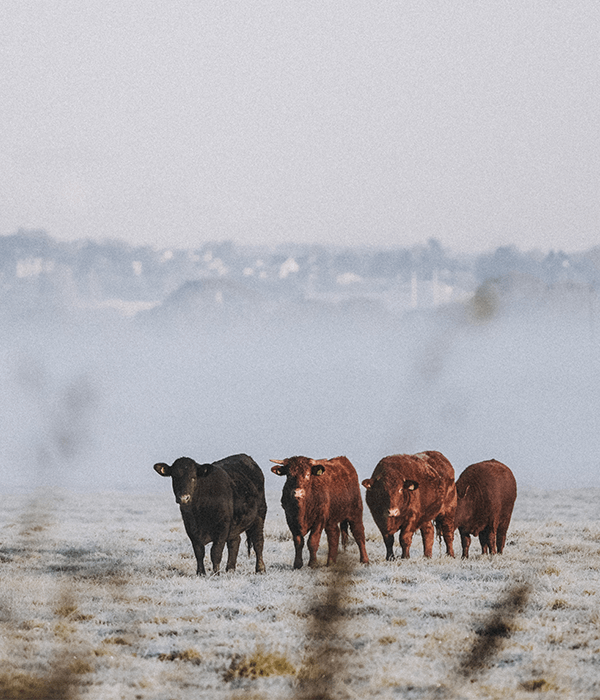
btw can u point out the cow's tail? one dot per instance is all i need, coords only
(249, 544)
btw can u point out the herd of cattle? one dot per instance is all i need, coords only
(406, 493)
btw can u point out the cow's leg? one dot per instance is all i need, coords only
(492, 539)
(358, 532)
(428, 537)
(216, 553)
(465, 541)
(233, 547)
(333, 542)
(446, 527)
(389, 547)
(501, 538)
(197, 539)
(298, 546)
(257, 538)
(405, 542)
(484, 540)
(313, 545)
(344, 530)
(199, 551)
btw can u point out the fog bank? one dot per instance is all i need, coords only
(92, 403)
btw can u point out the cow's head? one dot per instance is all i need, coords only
(185, 474)
(300, 472)
(390, 495)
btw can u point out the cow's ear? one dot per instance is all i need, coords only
(410, 485)
(317, 469)
(203, 470)
(280, 468)
(465, 493)
(162, 469)
(367, 483)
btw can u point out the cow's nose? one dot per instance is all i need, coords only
(185, 499)
(393, 512)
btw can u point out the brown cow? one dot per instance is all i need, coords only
(486, 495)
(407, 493)
(318, 495)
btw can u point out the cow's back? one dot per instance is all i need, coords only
(247, 485)
(492, 491)
(339, 488)
(441, 464)
(447, 484)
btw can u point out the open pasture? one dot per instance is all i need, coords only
(98, 600)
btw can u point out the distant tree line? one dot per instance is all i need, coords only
(34, 265)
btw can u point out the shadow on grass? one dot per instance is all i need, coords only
(325, 667)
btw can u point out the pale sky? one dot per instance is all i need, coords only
(345, 122)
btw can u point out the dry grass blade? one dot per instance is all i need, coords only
(60, 682)
(259, 664)
(26, 686)
(492, 633)
(325, 663)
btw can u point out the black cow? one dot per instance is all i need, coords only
(218, 502)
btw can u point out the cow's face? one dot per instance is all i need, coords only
(184, 473)
(390, 495)
(299, 473)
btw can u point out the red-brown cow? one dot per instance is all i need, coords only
(318, 495)
(486, 495)
(407, 493)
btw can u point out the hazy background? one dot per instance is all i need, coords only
(292, 363)
(95, 408)
(339, 122)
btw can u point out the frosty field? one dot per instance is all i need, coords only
(98, 600)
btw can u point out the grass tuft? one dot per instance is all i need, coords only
(66, 609)
(189, 655)
(399, 622)
(259, 664)
(119, 641)
(21, 685)
(18, 685)
(80, 667)
(536, 684)
(551, 570)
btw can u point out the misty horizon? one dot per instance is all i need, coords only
(94, 398)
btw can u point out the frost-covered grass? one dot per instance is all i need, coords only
(98, 599)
